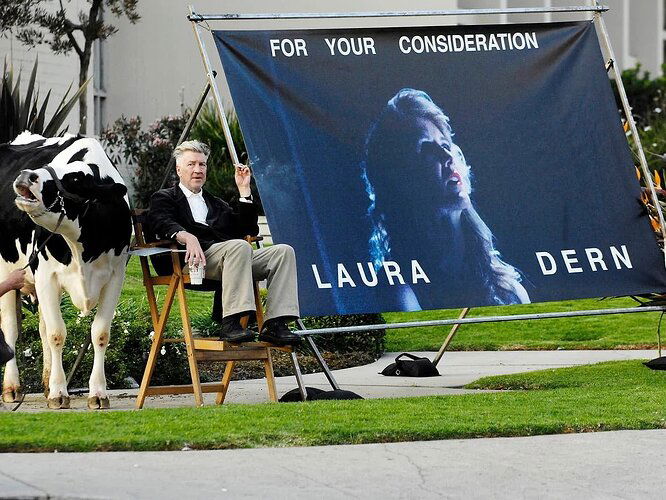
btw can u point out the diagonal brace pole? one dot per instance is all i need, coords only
(449, 338)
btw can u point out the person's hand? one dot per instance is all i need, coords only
(194, 255)
(242, 177)
(16, 279)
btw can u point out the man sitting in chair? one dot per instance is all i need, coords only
(212, 232)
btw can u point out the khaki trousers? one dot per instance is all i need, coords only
(236, 265)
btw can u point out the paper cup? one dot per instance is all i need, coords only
(197, 274)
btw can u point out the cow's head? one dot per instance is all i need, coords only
(73, 189)
(68, 179)
(52, 190)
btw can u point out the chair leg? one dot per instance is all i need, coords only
(299, 376)
(226, 380)
(189, 344)
(157, 339)
(270, 377)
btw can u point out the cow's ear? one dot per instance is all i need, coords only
(114, 190)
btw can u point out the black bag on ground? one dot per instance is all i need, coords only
(412, 367)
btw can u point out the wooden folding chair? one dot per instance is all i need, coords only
(198, 349)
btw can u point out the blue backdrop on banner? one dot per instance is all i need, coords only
(433, 167)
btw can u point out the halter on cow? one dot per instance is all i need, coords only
(69, 187)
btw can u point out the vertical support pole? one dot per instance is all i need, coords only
(601, 25)
(216, 92)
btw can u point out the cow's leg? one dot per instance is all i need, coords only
(100, 334)
(11, 385)
(49, 293)
(46, 368)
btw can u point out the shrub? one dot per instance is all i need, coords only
(370, 341)
(647, 96)
(148, 152)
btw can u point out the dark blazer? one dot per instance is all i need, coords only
(169, 213)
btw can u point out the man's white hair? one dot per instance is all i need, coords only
(196, 146)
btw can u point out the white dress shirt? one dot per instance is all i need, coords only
(197, 204)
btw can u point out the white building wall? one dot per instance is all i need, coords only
(155, 66)
(646, 34)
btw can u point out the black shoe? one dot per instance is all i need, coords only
(232, 331)
(277, 332)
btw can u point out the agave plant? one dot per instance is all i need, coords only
(18, 114)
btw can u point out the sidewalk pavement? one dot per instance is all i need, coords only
(456, 369)
(624, 464)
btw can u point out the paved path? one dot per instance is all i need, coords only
(626, 464)
(456, 368)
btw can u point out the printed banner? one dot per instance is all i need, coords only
(439, 167)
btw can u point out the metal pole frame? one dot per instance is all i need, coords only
(596, 9)
(216, 92)
(417, 13)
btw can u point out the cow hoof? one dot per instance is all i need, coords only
(97, 403)
(12, 395)
(59, 403)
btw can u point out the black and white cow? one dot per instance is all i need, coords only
(86, 256)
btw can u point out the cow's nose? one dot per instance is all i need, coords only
(28, 177)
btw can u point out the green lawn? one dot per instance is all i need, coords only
(607, 396)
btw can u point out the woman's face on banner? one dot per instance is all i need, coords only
(445, 172)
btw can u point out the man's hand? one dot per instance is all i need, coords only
(15, 281)
(242, 178)
(194, 255)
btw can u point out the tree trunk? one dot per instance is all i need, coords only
(84, 63)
